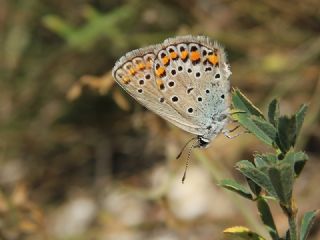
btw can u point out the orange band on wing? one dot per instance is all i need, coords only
(132, 71)
(173, 55)
(160, 72)
(165, 60)
(213, 59)
(126, 80)
(184, 54)
(141, 66)
(195, 56)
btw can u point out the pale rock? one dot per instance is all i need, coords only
(127, 208)
(73, 218)
(199, 197)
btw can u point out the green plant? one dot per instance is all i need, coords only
(271, 176)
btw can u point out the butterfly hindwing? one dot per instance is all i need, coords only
(195, 77)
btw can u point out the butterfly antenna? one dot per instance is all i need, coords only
(184, 147)
(188, 159)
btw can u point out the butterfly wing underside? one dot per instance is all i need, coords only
(134, 73)
(184, 80)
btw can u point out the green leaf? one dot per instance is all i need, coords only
(297, 160)
(250, 125)
(236, 187)
(300, 117)
(286, 133)
(306, 223)
(241, 233)
(282, 177)
(260, 161)
(266, 127)
(267, 218)
(256, 189)
(257, 176)
(265, 160)
(241, 102)
(273, 112)
(250, 117)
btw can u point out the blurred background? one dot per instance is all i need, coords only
(80, 159)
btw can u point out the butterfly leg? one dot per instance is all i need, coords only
(233, 129)
(227, 131)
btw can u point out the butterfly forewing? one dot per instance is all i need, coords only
(134, 73)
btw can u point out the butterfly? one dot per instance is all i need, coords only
(185, 80)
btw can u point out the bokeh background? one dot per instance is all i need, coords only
(80, 159)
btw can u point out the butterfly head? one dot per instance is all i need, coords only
(203, 142)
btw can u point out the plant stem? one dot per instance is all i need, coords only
(292, 226)
(292, 214)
